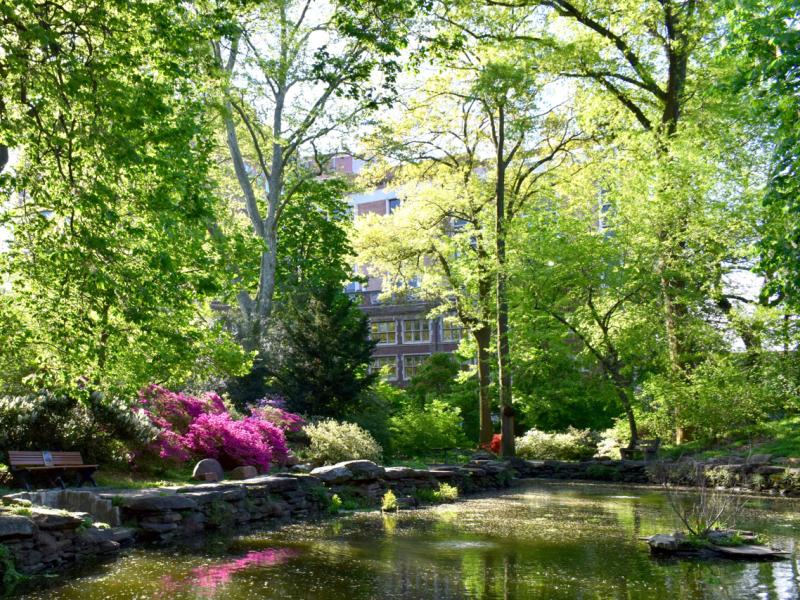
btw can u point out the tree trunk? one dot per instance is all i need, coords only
(483, 340)
(503, 347)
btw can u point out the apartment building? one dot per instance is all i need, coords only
(401, 327)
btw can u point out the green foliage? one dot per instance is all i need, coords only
(389, 502)
(334, 441)
(444, 493)
(102, 429)
(109, 207)
(11, 577)
(335, 504)
(319, 352)
(419, 430)
(723, 394)
(603, 473)
(573, 444)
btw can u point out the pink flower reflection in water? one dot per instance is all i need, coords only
(210, 577)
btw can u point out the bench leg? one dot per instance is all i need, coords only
(24, 479)
(87, 477)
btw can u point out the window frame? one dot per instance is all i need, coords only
(372, 368)
(424, 355)
(455, 327)
(429, 330)
(394, 331)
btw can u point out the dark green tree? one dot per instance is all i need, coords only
(318, 353)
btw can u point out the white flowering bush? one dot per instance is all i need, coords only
(574, 444)
(334, 441)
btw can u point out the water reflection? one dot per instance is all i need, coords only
(541, 541)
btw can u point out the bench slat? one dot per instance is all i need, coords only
(20, 458)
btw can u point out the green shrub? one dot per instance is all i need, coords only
(418, 431)
(446, 493)
(389, 502)
(603, 473)
(333, 442)
(574, 444)
(335, 505)
(101, 428)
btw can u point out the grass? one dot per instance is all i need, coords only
(117, 478)
(422, 461)
(781, 438)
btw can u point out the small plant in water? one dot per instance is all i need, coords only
(705, 509)
(335, 504)
(446, 493)
(389, 502)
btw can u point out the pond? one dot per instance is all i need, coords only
(535, 541)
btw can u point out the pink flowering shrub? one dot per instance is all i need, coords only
(201, 427)
(273, 409)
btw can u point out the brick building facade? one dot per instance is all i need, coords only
(405, 334)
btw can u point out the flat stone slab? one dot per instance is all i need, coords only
(49, 519)
(362, 469)
(15, 526)
(158, 503)
(332, 474)
(750, 551)
(398, 472)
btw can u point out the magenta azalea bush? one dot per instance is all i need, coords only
(202, 427)
(273, 409)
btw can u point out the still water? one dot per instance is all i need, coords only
(535, 541)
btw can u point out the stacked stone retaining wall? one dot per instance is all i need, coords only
(38, 539)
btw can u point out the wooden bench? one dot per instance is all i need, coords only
(53, 465)
(647, 448)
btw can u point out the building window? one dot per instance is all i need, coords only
(393, 204)
(451, 331)
(411, 364)
(416, 331)
(383, 332)
(386, 366)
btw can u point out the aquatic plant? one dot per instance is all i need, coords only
(389, 502)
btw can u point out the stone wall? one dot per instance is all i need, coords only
(41, 540)
(45, 540)
(756, 473)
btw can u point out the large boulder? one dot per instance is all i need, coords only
(208, 469)
(666, 542)
(332, 474)
(246, 472)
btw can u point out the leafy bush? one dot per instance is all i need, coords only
(334, 441)
(100, 428)
(417, 431)
(335, 505)
(199, 427)
(446, 493)
(389, 502)
(273, 409)
(574, 444)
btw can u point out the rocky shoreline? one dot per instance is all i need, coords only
(40, 540)
(79, 526)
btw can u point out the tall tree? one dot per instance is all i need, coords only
(297, 75)
(110, 260)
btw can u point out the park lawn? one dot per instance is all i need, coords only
(780, 438)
